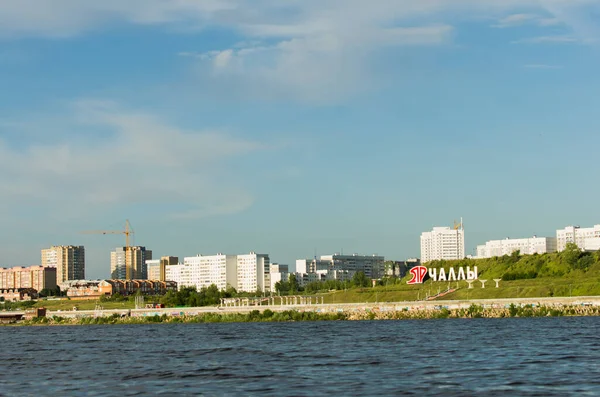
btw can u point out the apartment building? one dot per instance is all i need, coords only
(526, 246)
(129, 264)
(278, 273)
(33, 277)
(587, 239)
(156, 268)
(443, 243)
(253, 272)
(69, 261)
(373, 266)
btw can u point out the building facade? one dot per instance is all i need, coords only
(400, 268)
(245, 273)
(156, 268)
(18, 294)
(69, 261)
(373, 266)
(253, 272)
(203, 271)
(587, 239)
(443, 243)
(33, 277)
(278, 273)
(131, 264)
(526, 246)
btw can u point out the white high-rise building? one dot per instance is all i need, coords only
(585, 238)
(203, 271)
(253, 272)
(245, 273)
(443, 243)
(526, 246)
(175, 273)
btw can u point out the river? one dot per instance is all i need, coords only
(453, 357)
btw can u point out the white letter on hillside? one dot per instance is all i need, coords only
(442, 276)
(433, 274)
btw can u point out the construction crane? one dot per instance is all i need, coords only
(458, 226)
(127, 232)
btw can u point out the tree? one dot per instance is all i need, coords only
(294, 285)
(360, 280)
(571, 254)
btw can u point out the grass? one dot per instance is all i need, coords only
(68, 305)
(532, 288)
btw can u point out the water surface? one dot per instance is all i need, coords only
(455, 357)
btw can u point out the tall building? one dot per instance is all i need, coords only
(443, 243)
(36, 277)
(526, 246)
(156, 268)
(129, 265)
(203, 271)
(246, 273)
(587, 239)
(253, 272)
(69, 262)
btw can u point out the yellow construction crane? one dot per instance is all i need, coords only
(127, 232)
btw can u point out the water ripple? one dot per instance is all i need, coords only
(492, 357)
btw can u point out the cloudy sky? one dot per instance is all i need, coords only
(294, 127)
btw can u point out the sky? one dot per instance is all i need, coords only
(296, 127)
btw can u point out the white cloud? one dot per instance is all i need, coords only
(114, 158)
(547, 40)
(525, 19)
(515, 20)
(222, 59)
(312, 50)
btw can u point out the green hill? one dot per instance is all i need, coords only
(568, 273)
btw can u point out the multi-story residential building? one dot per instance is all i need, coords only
(153, 269)
(203, 271)
(400, 268)
(526, 246)
(587, 239)
(339, 267)
(253, 272)
(373, 266)
(131, 264)
(34, 277)
(175, 273)
(278, 274)
(312, 265)
(443, 243)
(156, 268)
(69, 261)
(246, 273)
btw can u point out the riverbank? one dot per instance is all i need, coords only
(473, 311)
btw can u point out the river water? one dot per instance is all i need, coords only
(455, 357)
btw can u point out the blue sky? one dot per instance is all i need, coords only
(293, 127)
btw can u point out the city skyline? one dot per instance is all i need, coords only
(321, 126)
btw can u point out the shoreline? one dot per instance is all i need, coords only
(267, 314)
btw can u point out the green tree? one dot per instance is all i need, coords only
(294, 285)
(571, 254)
(360, 280)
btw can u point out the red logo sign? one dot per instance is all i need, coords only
(418, 274)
